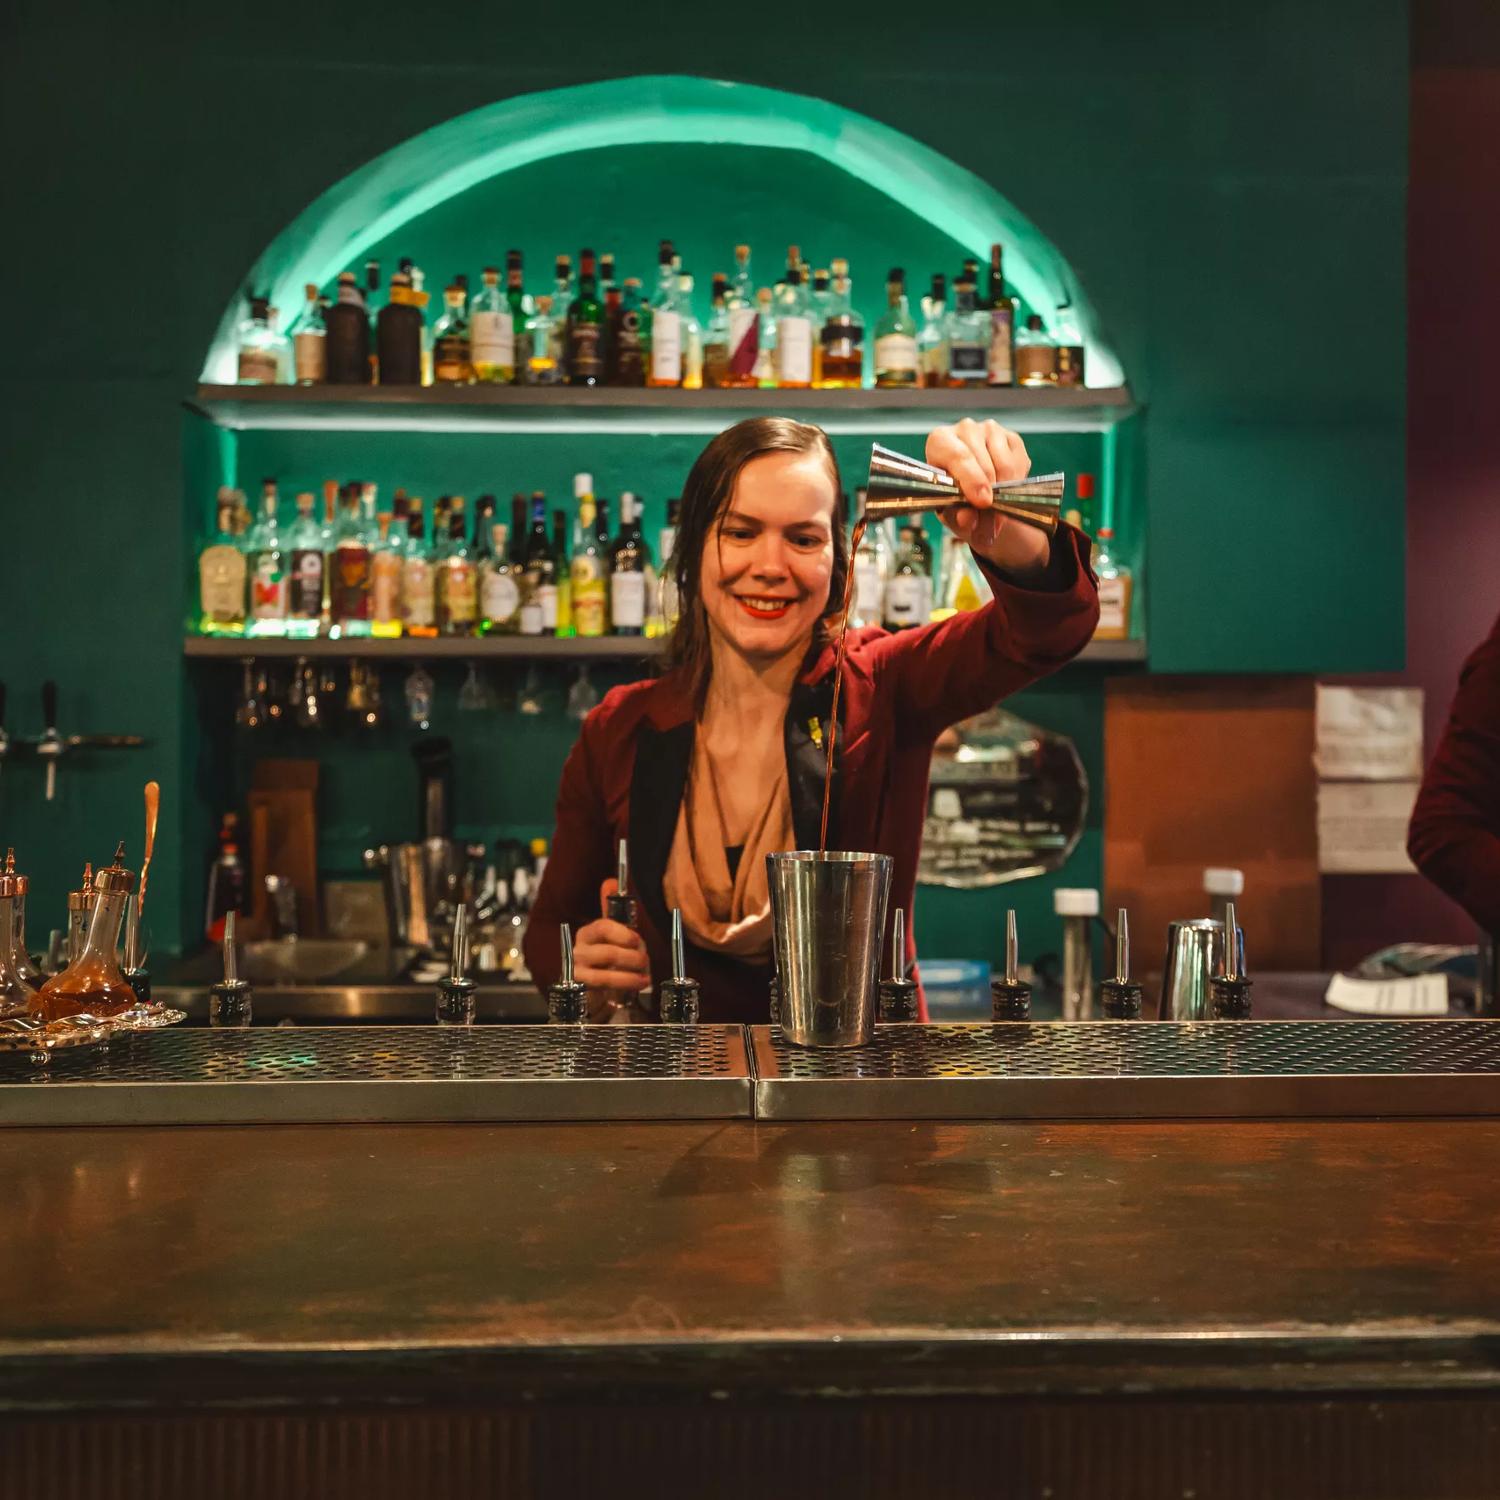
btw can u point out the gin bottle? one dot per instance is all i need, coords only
(968, 339)
(304, 543)
(221, 571)
(896, 336)
(492, 343)
(266, 562)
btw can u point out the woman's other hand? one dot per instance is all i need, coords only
(611, 960)
(978, 455)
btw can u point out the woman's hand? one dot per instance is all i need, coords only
(611, 959)
(978, 455)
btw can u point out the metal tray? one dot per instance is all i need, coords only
(1136, 1069)
(391, 1073)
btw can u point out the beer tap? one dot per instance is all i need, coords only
(1229, 992)
(51, 746)
(455, 996)
(231, 1001)
(1010, 1000)
(898, 994)
(1120, 997)
(567, 1000)
(679, 994)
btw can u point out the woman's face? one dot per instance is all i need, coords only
(767, 564)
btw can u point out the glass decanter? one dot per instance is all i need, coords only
(93, 984)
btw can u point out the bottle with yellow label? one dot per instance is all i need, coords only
(1115, 589)
(589, 568)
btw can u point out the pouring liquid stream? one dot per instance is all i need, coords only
(856, 537)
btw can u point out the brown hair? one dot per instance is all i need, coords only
(705, 498)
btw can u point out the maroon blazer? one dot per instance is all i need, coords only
(626, 775)
(1454, 838)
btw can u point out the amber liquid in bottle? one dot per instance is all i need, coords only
(93, 985)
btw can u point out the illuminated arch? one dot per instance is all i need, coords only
(369, 205)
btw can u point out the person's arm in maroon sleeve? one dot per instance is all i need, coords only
(1454, 838)
(1044, 611)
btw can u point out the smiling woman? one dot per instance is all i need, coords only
(721, 760)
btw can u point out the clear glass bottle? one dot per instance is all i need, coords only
(310, 341)
(418, 593)
(16, 991)
(819, 294)
(629, 564)
(1036, 355)
(521, 309)
(1116, 584)
(589, 566)
(968, 329)
(92, 984)
(541, 364)
(744, 324)
(716, 336)
(872, 568)
(20, 955)
(304, 547)
(692, 336)
(963, 586)
(353, 549)
(896, 337)
(794, 334)
(905, 590)
(841, 361)
(538, 574)
(221, 571)
(458, 581)
(667, 607)
(499, 590)
(586, 327)
(665, 368)
(387, 566)
(765, 353)
(1069, 346)
(932, 340)
(266, 565)
(492, 342)
(262, 350)
(452, 362)
(1001, 306)
(418, 298)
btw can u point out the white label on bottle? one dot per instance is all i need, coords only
(903, 599)
(666, 346)
(627, 601)
(794, 351)
(867, 588)
(531, 616)
(1002, 346)
(492, 339)
(258, 366)
(310, 350)
(1114, 605)
(895, 352)
(499, 598)
(546, 598)
(417, 588)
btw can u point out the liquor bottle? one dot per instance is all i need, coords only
(348, 335)
(387, 569)
(418, 590)
(333, 493)
(765, 356)
(793, 333)
(586, 327)
(744, 324)
(304, 545)
(716, 335)
(872, 567)
(692, 336)
(457, 581)
(562, 568)
(310, 341)
(968, 339)
(262, 358)
(818, 297)
(1000, 361)
(1115, 587)
(562, 300)
(666, 324)
(628, 354)
(452, 362)
(841, 363)
(492, 341)
(398, 335)
(419, 299)
(520, 310)
(221, 572)
(896, 336)
(589, 566)
(539, 594)
(905, 595)
(922, 549)
(964, 587)
(1036, 355)
(629, 561)
(667, 600)
(499, 591)
(541, 364)
(353, 549)
(607, 280)
(932, 341)
(266, 567)
(1069, 346)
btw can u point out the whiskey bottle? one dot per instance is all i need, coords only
(304, 542)
(896, 336)
(452, 361)
(716, 335)
(1000, 363)
(418, 592)
(628, 355)
(457, 580)
(629, 561)
(968, 339)
(1036, 355)
(793, 334)
(261, 348)
(1069, 346)
(310, 341)
(499, 591)
(492, 342)
(266, 567)
(586, 330)
(932, 341)
(744, 324)
(348, 335)
(666, 324)
(221, 572)
(842, 363)
(539, 591)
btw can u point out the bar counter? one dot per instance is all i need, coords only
(902, 1305)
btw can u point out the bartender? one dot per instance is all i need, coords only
(720, 761)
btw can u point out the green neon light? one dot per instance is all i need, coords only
(334, 232)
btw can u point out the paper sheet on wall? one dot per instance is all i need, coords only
(1369, 734)
(1420, 995)
(1362, 827)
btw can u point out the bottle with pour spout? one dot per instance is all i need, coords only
(93, 984)
(15, 992)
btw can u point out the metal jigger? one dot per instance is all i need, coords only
(1010, 1000)
(679, 994)
(898, 994)
(1229, 992)
(137, 975)
(455, 994)
(621, 907)
(231, 1001)
(1120, 997)
(902, 486)
(567, 1000)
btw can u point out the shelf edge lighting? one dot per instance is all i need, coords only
(337, 229)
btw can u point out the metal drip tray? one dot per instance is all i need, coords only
(390, 1073)
(1139, 1069)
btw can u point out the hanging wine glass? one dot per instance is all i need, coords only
(583, 695)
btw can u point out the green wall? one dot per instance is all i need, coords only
(1229, 188)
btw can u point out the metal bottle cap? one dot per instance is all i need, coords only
(115, 877)
(83, 898)
(12, 884)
